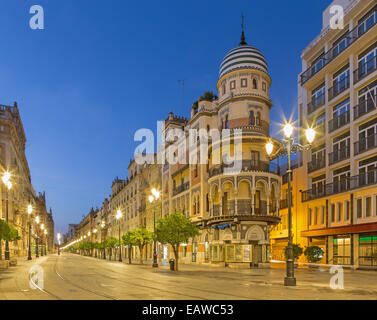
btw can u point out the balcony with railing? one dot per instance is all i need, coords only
(342, 185)
(316, 165)
(316, 103)
(339, 121)
(339, 87)
(339, 155)
(365, 144)
(364, 107)
(330, 55)
(181, 188)
(244, 209)
(365, 70)
(246, 166)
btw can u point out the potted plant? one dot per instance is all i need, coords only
(313, 254)
(297, 252)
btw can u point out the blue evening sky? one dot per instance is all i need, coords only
(103, 69)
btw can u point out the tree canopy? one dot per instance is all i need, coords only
(175, 229)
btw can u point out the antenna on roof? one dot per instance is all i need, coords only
(243, 42)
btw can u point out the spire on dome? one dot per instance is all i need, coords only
(243, 42)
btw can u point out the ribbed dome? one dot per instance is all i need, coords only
(243, 56)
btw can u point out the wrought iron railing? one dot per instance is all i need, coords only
(339, 121)
(339, 155)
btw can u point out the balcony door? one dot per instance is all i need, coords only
(341, 179)
(367, 171)
(340, 149)
(257, 204)
(225, 204)
(367, 137)
(255, 157)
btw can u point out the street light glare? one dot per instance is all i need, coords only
(269, 148)
(156, 193)
(288, 130)
(29, 209)
(119, 214)
(310, 135)
(6, 177)
(37, 219)
(151, 199)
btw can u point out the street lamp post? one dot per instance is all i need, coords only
(90, 241)
(6, 180)
(95, 251)
(103, 239)
(45, 232)
(290, 147)
(118, 216)
(42, 236)
(29, 211)
(152, 198)
(37, 240)
(58, 237)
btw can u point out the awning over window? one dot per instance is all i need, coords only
(222, 226)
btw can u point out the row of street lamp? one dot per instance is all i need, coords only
(6, 180)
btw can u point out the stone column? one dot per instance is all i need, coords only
(236, 202)
(253, 202)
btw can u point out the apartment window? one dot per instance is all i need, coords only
(332, 212)
(322, 214)
(233, 85)
(367, 62)
(341, 81)
(320, 120)
(255, 85)
(341, 44)
(224, 89)
(341, 109)
(318, 185)
(264, 86)
(341, 179)
(359, 209)
(347, 211)
(226, 122)
(315, 215)
(309, 217)
(243, 83)
(340, 212)
(368, 207)
(318, 95)
(368, 171)
(255, 157)
(319, 155)
(367, 21)
(251, 118)
(318, 64)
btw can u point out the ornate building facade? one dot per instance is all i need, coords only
(22, 193)
(234, 210)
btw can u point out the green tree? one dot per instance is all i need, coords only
(297, 251)
(208, 95)
(313, 254)
(111, 243)
(127, 239)
(140, 237)
(175, 229)
(7, 233)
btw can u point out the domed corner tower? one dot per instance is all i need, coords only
(245, 204)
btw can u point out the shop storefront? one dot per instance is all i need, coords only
(368, 250)
(342, 250)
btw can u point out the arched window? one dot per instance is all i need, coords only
(257, 119)
(226, 125)
(255, 86)
(251, 118)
